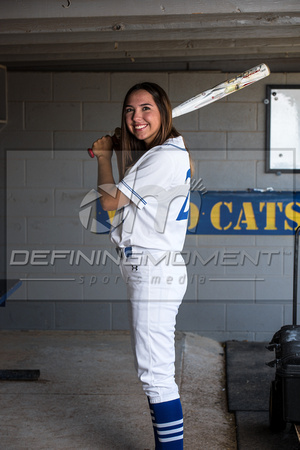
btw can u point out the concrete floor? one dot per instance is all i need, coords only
(88, 396)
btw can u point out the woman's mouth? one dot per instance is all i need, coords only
(140, 127)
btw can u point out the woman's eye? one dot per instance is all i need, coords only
(146, 108)
(128, 110)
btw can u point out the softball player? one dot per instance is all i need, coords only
(149, 228)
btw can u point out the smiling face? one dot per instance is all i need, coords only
(142, 116)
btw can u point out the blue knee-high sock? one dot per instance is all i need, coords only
(157, 445)
(167, 421)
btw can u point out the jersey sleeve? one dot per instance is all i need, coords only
(154, 172)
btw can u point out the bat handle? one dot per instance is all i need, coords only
(116, 142)
(90, 152)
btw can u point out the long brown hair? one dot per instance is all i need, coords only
(133, 148)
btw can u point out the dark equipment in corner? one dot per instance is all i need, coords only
(284, 400)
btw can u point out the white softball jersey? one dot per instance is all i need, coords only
(157, 186)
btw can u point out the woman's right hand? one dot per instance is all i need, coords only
(103, 147)
(116, 143)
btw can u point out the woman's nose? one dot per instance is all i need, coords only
(136, 116)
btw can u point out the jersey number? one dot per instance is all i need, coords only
(183, 214)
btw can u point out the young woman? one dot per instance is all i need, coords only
(149, 228)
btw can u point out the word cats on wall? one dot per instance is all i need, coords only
(245, 213)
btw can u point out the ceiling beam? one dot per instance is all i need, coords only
(188, 47)
(146, 23)
(29, 9)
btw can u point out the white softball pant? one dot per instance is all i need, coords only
(155, 291)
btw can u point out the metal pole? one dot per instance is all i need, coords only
(295, 288)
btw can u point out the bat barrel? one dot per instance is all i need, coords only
(222, 90)
(175, 113)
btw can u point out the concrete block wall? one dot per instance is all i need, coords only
(53, 118)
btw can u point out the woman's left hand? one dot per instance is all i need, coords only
(103, 147)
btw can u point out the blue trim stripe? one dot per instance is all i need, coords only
(134, 192)
(176, 146)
